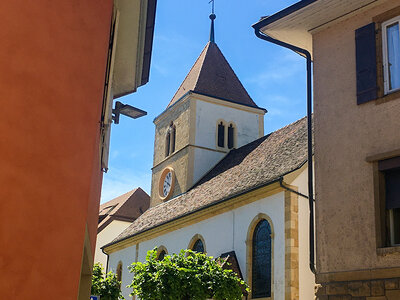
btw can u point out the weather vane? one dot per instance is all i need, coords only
(212, 6)
(212, 17)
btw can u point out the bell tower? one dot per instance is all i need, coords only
(210, 114)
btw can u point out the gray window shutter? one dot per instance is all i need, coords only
(367, 89)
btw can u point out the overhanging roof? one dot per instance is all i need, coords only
(295, 23)
(134, 45)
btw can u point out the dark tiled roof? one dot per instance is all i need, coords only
(127, 207)
(213, 76)
(243, 169)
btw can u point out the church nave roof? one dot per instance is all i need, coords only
(249, 167)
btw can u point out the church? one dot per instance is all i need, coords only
(222, 187)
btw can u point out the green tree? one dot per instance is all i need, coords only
(107, 287)
(184, 276)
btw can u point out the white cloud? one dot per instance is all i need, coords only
(278, 71)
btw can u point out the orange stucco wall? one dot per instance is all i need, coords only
(52, 58)
(345, 135)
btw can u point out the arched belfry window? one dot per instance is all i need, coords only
(170, 140)
(231, 136)
(261, 260)
(221, 135)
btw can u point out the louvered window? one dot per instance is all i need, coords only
(261, 260)
(221, 135)
(170, 140)
(231, 134)
(167, 143)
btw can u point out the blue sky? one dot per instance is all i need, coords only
(274, 77)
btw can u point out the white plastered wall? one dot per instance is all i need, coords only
(109, 233)
(222, 233)
(204, 160)
(125, 256)
(208, 114)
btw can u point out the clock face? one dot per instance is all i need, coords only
(167, 184)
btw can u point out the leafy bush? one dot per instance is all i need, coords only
(107, 287)
(184, 276)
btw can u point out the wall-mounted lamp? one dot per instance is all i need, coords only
(126, 110)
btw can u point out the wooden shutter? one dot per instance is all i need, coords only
(367, 89)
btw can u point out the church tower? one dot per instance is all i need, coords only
(210, 114)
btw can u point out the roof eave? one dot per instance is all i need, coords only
(295, 24)
(134, 45)
(283, 13)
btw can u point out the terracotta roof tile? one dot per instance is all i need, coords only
(127, 207)
(243, 169)
(212, 75)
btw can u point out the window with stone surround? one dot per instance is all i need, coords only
(389, 170)
(170, 140)
(391, 54)
(261, 260)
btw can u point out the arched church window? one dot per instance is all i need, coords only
(161, 255)
(261, 260)
(119, 273)
(198, 246)
(231, 136)
(161, 252)
(221, 135)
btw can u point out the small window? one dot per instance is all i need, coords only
(198, 246)
(173, 136)
(170, 140)
(261, 260)
(167, 143)
(231, 134)
(221, 135)
(390, 169)
(391, 54)
(119, 273)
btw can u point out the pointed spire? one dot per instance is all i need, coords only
(212, 35)
(212, 75)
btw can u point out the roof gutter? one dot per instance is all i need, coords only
(257, 28)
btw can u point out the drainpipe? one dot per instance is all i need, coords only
(307, 55)
(108, 257)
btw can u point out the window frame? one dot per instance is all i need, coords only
(249, 246)
(170, 140)
(385, 62)
(382, 220)
(382, 97)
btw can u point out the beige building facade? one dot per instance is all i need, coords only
(354, 47)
